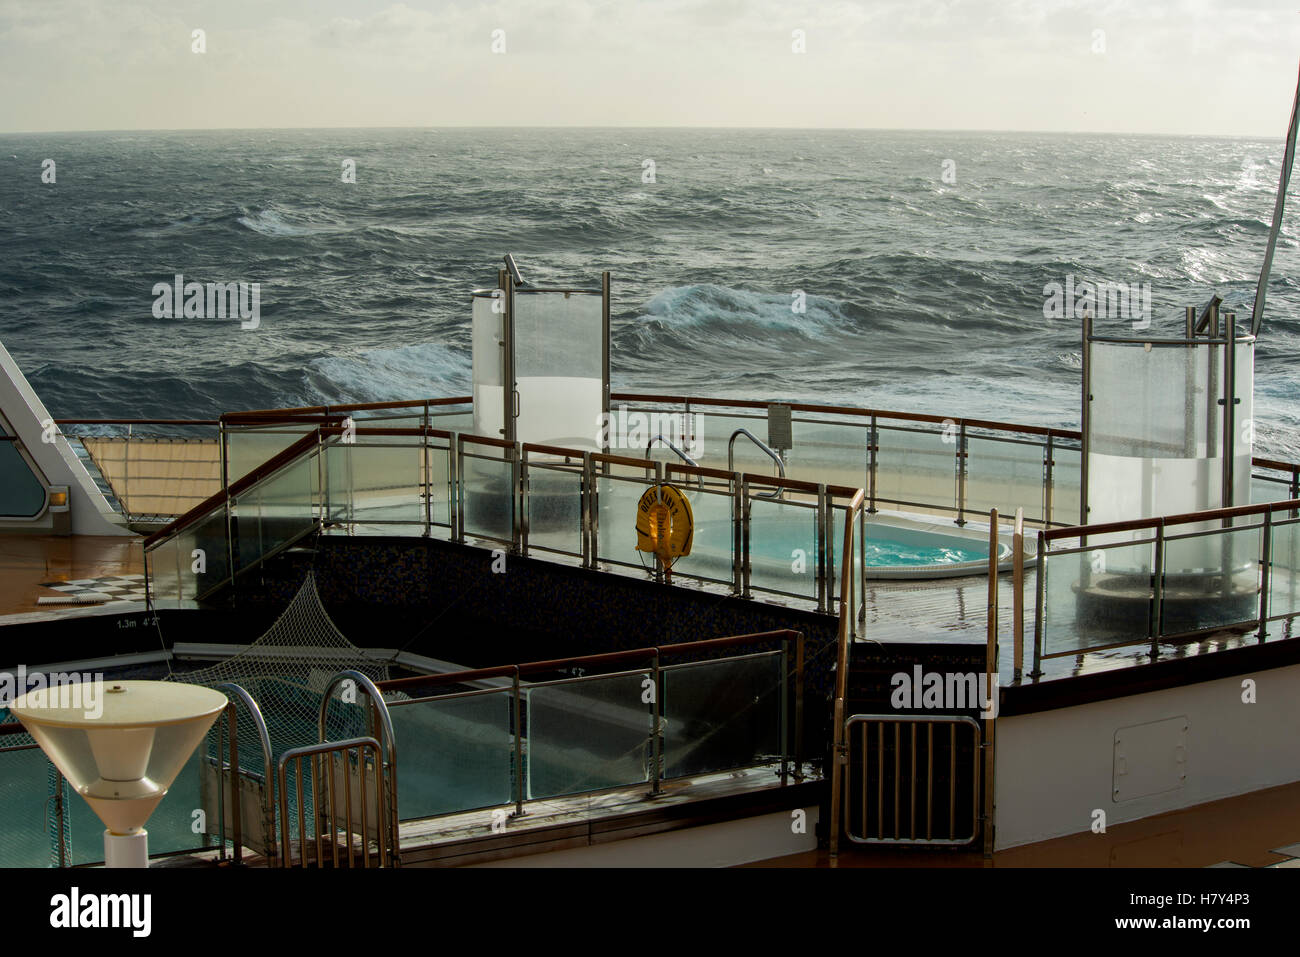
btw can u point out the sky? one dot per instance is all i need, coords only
(1212, 67)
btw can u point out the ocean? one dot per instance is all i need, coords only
(922, 260)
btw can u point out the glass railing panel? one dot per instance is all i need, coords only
(712, 433)
(1269, 488)
(453, 754)
(287, 505)
(387, 479)
(721, 715)
(555, 508)
(1211, 580)
(1005, 475)
(832, 453)
(164, 575)
(438, 471)
(616, 532)
(338, 483)
(452, 421)
(712, 543)
(488, 494)
(783, 547)
(1065, 486)
(917, 466)
(246, 516)
(1096, 597)
(587, 734)
(1284, 567)
(247, 448)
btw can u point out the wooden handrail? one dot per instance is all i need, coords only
(1187, 518)
(612, 657)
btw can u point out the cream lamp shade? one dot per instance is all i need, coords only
(123, 751)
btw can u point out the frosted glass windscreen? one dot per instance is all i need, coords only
(489, 410)
(559, 362)
(1155, 439)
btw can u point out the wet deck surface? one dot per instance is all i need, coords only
(956, 609)
(26, 561)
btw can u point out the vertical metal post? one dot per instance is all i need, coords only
(1265, 572)
(1157, 593)
(873, 451)
(992, 670)
(455, 498)
(1040, 580)
(1085, 423)
(236, 805)
(126, 474)
(510, 388)
(659, 481)
(604, 351)
(595, 515)
(961, 474)
(426, 473)
(588, 477)
(738, 501)
(521, 499)
(1049, 478)
(1229, 408)
(823, 553)
(1018, 596)
(221, 781)
(519, 748)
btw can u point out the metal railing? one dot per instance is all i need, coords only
(227, 729)
(354, 756)
(894, 774)
(646, 740)
(1145, 581)
(530, 498)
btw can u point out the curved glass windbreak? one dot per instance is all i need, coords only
(22, 493)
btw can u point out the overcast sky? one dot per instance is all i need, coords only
(1154, 66)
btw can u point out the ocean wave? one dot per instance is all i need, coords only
(416, 371)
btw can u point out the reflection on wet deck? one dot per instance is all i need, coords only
(27, 561)
(956, 610)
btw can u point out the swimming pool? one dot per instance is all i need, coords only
(783, 546)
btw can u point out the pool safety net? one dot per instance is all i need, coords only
(286, 671)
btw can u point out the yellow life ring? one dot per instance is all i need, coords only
(665, 525)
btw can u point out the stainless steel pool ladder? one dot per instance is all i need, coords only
(682, 455)
(776, 493)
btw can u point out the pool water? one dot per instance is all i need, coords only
(884, 552)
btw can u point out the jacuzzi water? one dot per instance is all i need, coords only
(886, 553)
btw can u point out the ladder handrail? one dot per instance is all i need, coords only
(685, 458)
(731, 458)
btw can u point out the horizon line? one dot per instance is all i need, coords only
(809, 129)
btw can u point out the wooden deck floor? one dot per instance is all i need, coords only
(28, 560)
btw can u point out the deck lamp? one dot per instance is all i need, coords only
(120, 745)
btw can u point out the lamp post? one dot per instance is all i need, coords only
(121, 750)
